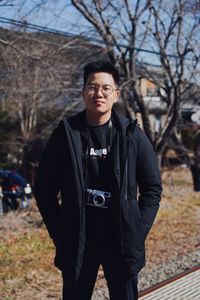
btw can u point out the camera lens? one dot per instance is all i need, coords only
(99, 200)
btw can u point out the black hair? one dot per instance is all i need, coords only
(101, 66)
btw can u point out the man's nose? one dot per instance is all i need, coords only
(99, 92)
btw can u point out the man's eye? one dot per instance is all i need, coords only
(107, 89)
(92, 87)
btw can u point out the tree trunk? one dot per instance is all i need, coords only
(195, 165)
(195, 170)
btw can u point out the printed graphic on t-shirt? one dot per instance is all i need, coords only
(98, 153)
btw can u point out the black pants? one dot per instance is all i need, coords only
(121, 285)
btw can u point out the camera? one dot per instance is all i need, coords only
(97, 198)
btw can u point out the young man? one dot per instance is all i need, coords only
(96, 160)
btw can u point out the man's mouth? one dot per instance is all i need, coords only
(99, 101)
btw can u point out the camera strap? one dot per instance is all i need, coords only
(110, 135)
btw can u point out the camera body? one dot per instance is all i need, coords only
(98, 198)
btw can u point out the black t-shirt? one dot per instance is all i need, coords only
(98, 177)
(98, 157)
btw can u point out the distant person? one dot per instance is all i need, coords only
(96, 159)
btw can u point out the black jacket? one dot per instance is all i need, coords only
(137, 187)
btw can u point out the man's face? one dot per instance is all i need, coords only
(100, 93)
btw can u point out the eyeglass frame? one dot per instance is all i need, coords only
(96, 89)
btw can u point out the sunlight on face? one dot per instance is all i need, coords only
(100, 93)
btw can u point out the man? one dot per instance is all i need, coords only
(96, 159)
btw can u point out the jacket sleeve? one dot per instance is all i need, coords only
(47, 184)
(148, 180)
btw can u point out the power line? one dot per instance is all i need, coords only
(73, 35)
(36, 27)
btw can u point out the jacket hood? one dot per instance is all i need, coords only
(123, 123)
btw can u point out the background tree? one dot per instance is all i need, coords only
(39, 84)
(118, 23)
(171, 32)
(133, 34)
(175, 32)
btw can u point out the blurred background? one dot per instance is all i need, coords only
(44, 45)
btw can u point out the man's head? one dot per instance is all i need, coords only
(100, 91)
(100, 66)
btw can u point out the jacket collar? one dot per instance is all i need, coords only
(125, 125)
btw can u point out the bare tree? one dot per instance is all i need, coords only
(39, 78)
(169, 33)
(127, 26)
(30, 83)
(174, 34)
(119, 23)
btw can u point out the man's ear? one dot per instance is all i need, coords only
(117, 95)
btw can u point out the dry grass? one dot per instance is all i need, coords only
(26, 252)
(176, 229)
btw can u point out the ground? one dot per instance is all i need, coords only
(27, 253)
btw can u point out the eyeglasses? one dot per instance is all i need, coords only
(105, 90)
